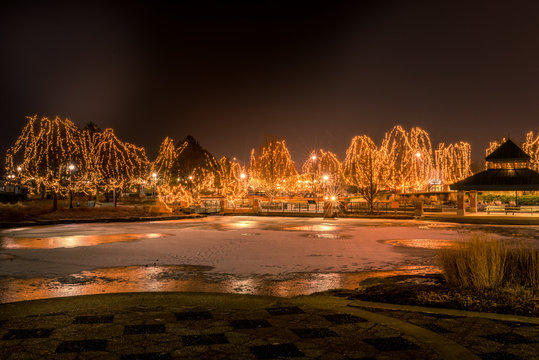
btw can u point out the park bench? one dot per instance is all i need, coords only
(495, 208)
(522, 209)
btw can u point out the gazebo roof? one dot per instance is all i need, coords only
(508, 152)
(500, 180)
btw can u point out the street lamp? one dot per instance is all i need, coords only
(154, 179)
(70, 168)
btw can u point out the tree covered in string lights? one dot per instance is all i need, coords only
(233, 182)
(410, 158)
(493, 145)
(272, 168)
(118, 164)
(453, 162)
(396, 145)
(163, 165)
(175, 194)
(48, 156)
(322, 170)
(365, 168)
(531, 147)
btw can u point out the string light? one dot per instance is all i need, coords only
(271, 168)
(54, 155)
(531, 147)
(365, 167)
(453, 162)
(44, 149)
(232, 183)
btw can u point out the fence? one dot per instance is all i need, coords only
(291, 207)
(379, 207)
(212, 206)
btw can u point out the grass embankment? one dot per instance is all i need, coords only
(41, 210)
(479, 275)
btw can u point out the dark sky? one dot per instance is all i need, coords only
(316, 73)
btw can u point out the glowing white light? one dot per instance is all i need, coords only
(71, 167)
(154, 175)
(313, 158)
(326, 178)
(242, 176)
(19, 168)
(333, 198)
(418, 154)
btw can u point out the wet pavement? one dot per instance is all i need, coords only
(221, 326)
(241, 254)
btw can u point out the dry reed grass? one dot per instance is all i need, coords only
(484, 263)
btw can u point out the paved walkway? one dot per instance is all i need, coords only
(223, 326)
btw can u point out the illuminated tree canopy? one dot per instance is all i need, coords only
(57, 157)
(44, 151)
(271, 167)
(531, 147)
(453, 162)
(233, 183)
(165, 161)
(365, 167)
(118, 163)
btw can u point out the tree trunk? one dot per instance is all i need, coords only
(54, 201)
(71, 199)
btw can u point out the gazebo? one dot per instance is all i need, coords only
(507, 170)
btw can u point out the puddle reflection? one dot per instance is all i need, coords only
(70, 241)
(432, 244)
(321, 227)
(187, 278)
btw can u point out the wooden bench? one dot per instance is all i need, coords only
(522, 209)
(495, 208)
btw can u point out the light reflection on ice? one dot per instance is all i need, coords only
(70, 241)
(321, 227)
(423, 243)
(188, 278)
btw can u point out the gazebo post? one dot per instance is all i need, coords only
(473, 201)
(460, 203)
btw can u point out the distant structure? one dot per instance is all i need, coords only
(508, 169)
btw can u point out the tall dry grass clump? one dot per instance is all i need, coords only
(484, 263)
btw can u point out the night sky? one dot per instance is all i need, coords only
(231, 73)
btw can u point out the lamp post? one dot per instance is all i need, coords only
(70, 169)
(154, 180)
(418, 157)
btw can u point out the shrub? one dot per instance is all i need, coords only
(483, 263)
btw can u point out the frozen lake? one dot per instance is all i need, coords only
(250, 255)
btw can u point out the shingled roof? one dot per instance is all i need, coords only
(508, 152)
(500, 180)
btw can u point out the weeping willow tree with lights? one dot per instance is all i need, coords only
(531, 147)
(365, 168)
(233, 183)
(423, 163)
(118, 164)
(163, 165)
(272, 169)
(48, 156)
(410, 158)
(493, 145)
(397, 147)
(322, 170)
(453, 162)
